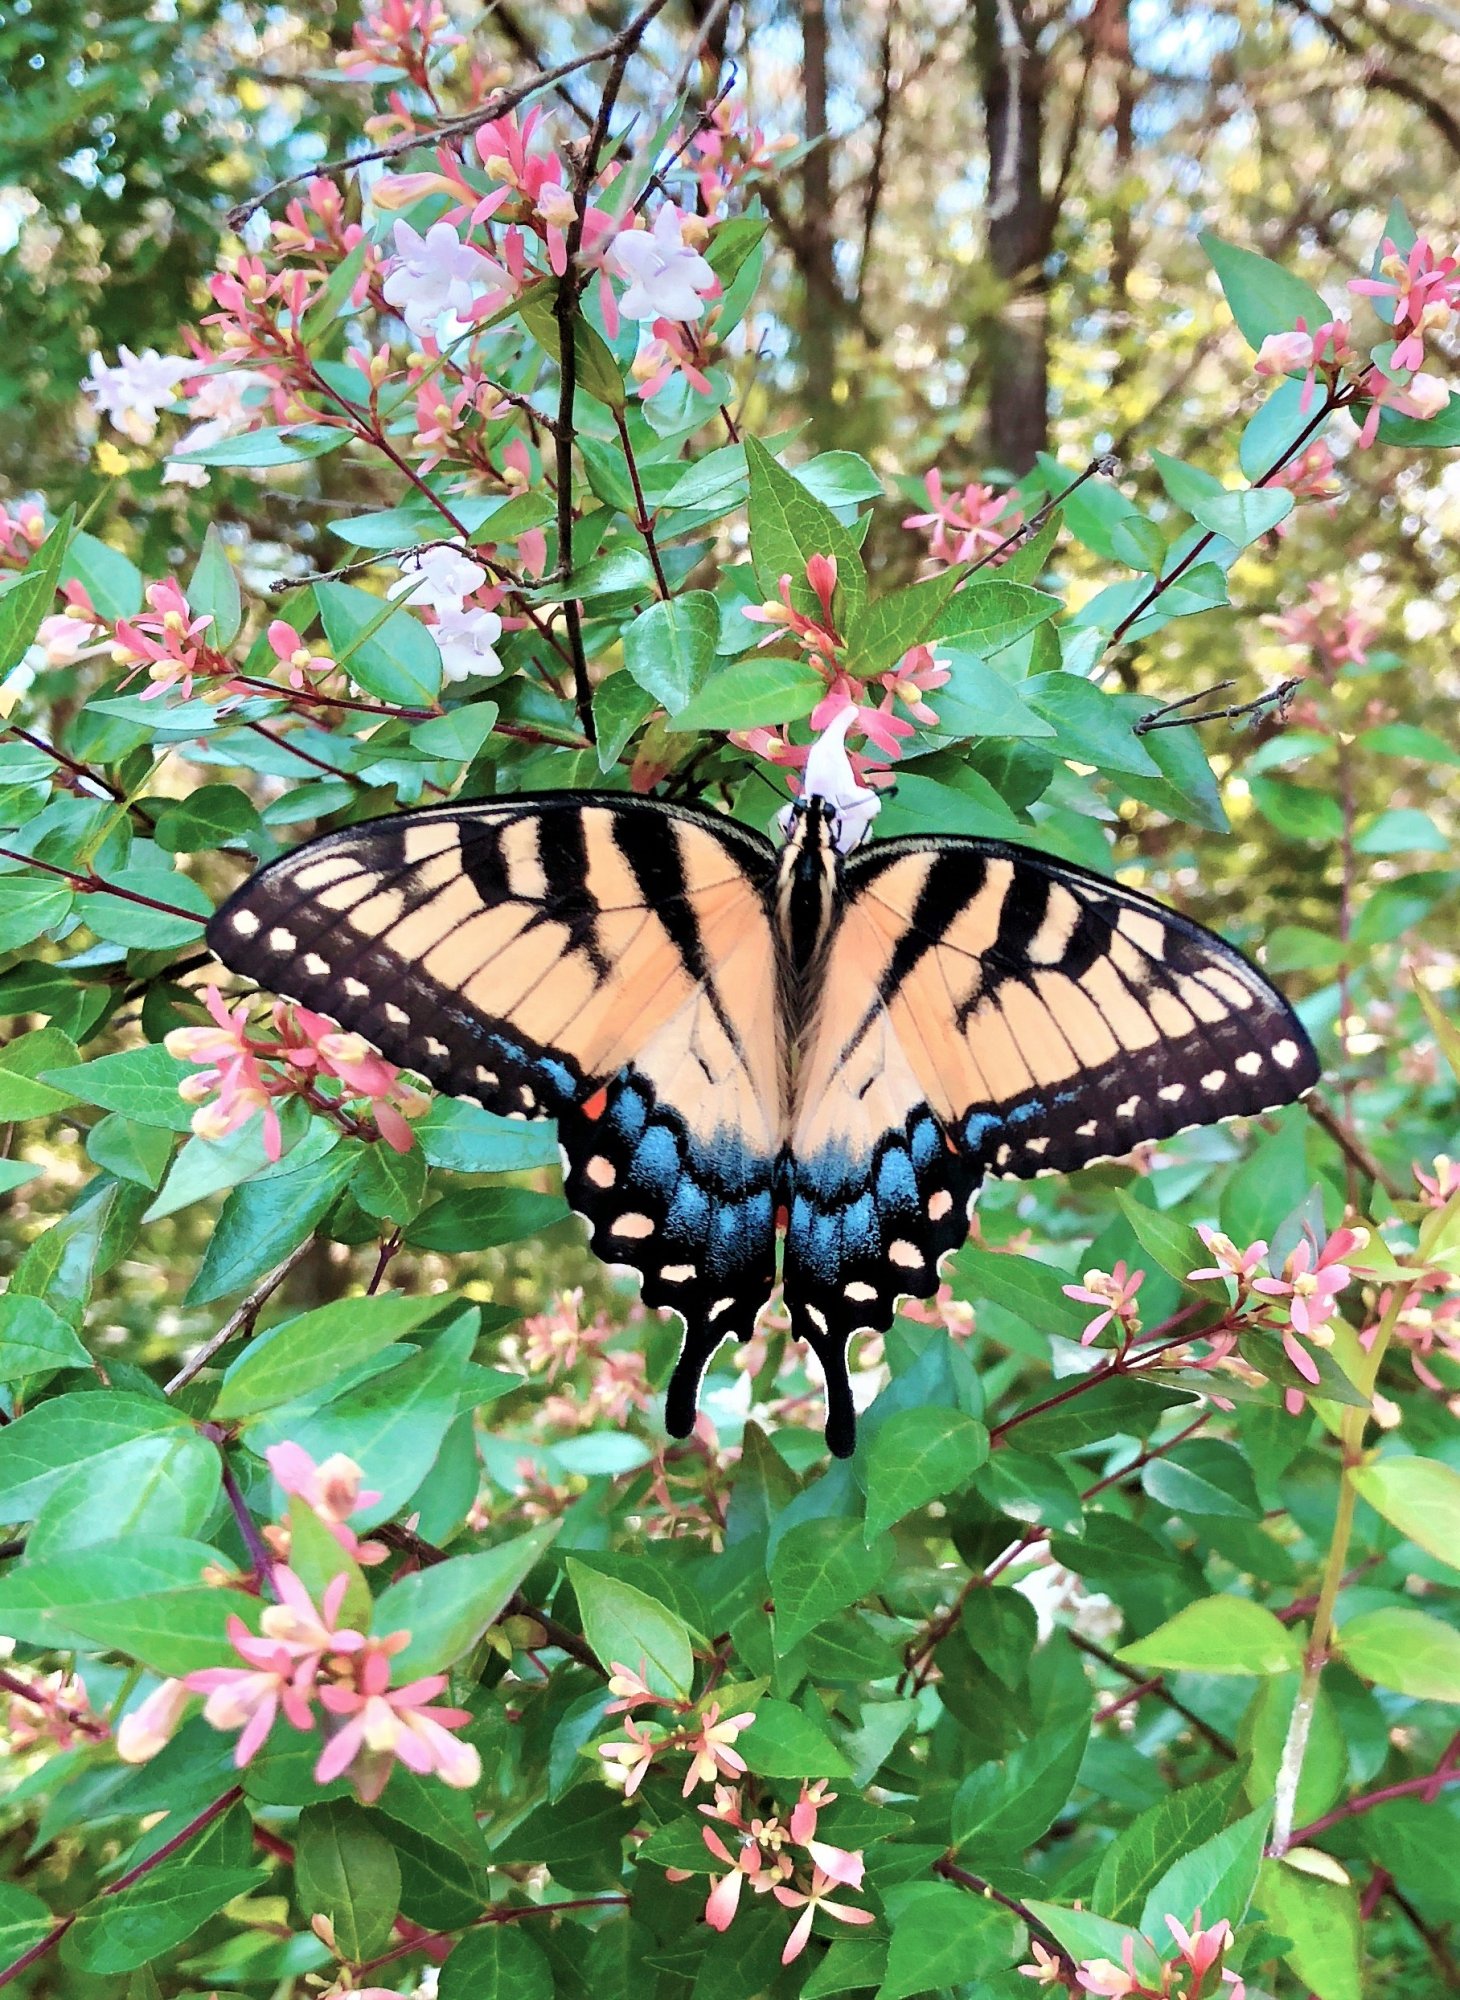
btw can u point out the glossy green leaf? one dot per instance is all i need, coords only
(1218, 1635)
(622, 1624)
(918, 1456)
(1420, 1497)
(1407, 1650)
(447, 1607)
(305, 1353)
(669, 649)
(345, 1869)
(819, 1568)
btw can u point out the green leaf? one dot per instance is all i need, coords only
(1300, 811)
(209, 817)
(284, 444)
(944, 1937)
(852, 1963)
(498, 1963)
(783, 1742)
(117, 1933)
(164, 1485)
(1217, 1878)
(614, 573)
(750, 694)
(991, 613)
(787, 527)
(1022, 1286)
(35, 1074)
(140, 1083)
(391, 1424)
(172, 1632)
(458, 736)
(112, 581)
(1218, 1635)
(1404, 830)
(447, 1607)
(131, 1151)
(620, 710)
(479, 1218)
(472, 1140)
(1264, 297)
(976, 701)
(918, 1456)
(382, 646)
(1406, 1650)
(24, 1921)
(1320, 1920)
(213, 591)
(305, 1353)
(1420, 1497)
(839, 478)
(1144, 1852)
(390, 1185)
(32, 1594)
(38, 1450)
(1166, 1239)
(1114, 1406)
(1090, 726)
(1204, 1477)
(34, 1340)
(1086, 1936)
(1003, 1808)
(1139, 543)
(30, 905)
(1239, 516)
(262, 1221)
(669, 649)
(904, 618)
(26, 603)
(819, 1568)
(345, 1869)
(621, 1623)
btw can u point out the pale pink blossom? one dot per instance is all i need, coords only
(1442, 1183)
(712, 1748)
(630, 1689)
(667, 277)
(1230, 1261)
(1046, 1968)
(332, 1488)
(382, 1725)
(817, 1898)
(1115, 1291)
(1110, 1981)
(151, 1725)
(133, 391)
(630, 1760)
(962, 524)
(438, 274)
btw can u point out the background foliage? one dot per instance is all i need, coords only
(1046, 1636)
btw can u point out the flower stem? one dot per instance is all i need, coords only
(1316, 1654)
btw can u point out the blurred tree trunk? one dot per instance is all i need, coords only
(816, 245)
(1015, 339)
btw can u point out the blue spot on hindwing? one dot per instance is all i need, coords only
(897, 1184)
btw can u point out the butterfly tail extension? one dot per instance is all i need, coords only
(868, 1220)
(689, 1213)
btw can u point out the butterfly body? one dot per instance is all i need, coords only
(751, 1049)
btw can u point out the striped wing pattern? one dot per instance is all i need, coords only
(987, 1009)
(610, 964)
(615, 963)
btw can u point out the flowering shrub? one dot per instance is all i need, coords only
(361, 1623)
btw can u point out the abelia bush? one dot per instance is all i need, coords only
(364, 1633)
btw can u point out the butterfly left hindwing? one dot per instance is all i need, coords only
(605, 961)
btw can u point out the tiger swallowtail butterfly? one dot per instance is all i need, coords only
(748, 1046)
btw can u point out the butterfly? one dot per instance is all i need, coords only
(751, 1048)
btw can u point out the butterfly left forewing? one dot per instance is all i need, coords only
(605, 961)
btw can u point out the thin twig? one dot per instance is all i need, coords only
(643, 519)
(1154, 1686)
(1352, 1146)
(58, 1930)
(448, 128)
(951, 1872)
(93, 885)
(1276, 698)
(241, 1321)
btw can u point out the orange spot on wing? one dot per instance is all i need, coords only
(597, 1104)
(783, 1218)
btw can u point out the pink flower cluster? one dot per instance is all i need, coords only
(964, 525)
(309, 1056)
(21, 533)
(709, 1738)
(302, 1660)
(555, 1342)
(819, 639)
(1422, 291)
(1195, 1973)
(1335, 638)
(332, 1491)
(53, 1713)
(1304, 1295)
(761, 1859)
